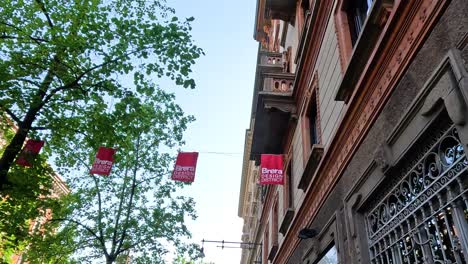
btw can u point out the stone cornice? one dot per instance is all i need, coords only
(245, 171)
(407, 27)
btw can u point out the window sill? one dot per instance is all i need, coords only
(315, 156)
(287, 219)
(363, 48)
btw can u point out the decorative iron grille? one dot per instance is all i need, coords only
(423, 218)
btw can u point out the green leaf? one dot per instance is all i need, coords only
(85, 71)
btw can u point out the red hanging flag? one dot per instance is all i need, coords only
(271, 169)
(103, 163)
(185, 166)
(29, 152)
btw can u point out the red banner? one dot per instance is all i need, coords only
(185, 166)
(29, 152)
(271, 169)
(103, 163)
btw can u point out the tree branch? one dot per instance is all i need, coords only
(99, 220)
(12, 115)
(87, 228)
(36, 40)
(75, 83)
(153, 178)
(100, 227)
(99, 238)
(40, 128)
(46, 14)
(144, 241)
(37, 84)
(119, 212)
(132, 193)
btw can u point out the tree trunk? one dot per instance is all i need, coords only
(109, 260)
(14, 147)
(11, 151)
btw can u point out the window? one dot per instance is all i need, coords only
(311, 122)
(310, 133)
(357, 13)
(288, 204)
(312, 118)
(331, 257)
(287, 191)
(350, 16)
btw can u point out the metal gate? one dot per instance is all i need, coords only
(422, 215)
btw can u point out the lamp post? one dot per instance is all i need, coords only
(222, 242)
(250, 245)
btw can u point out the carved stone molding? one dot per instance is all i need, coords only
(281, 104)
(451, 92)
(443, 90)
(381, 157)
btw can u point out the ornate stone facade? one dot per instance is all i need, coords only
(392, 111)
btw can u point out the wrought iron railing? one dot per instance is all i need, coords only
(423, 218)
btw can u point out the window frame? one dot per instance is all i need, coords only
(377, 11)
(287, 190)
(326, 251)
(311, 100)
(274, 224)
(353, 13)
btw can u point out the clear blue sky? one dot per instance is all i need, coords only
(221, 104)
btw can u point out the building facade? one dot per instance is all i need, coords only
(368, 103)
(59, 189)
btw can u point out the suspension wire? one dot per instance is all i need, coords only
(220, 153)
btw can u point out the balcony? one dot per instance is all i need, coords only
(279, 84)
(274, 107)
(270, 62)
(272, 9)
(280, 9)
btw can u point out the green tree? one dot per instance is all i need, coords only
(62, 60)
(136, 209)
(28, 197)
(183, 260)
